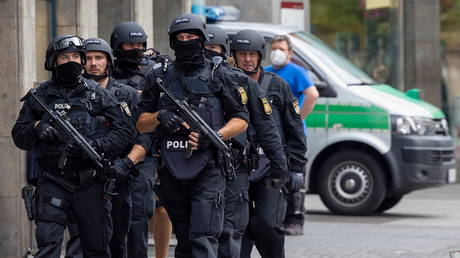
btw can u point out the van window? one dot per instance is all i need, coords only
(344, 68)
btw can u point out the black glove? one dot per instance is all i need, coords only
(169, 121)
(296, 182)
(277, 178)
(75, 151)
(46, 132)
(203, 142)
(123, 167)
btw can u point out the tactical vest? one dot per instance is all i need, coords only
(270, 93)
(197, 90)
(77, 107)
(244, 145)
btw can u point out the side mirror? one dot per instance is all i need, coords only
(325, 90)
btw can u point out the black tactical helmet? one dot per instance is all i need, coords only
(248, 40)
(97, 44)
(64, 44)
(187, 21)
(218, 36)
(127, 32)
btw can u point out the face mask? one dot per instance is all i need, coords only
(210, 54)
(189, 54)
(68, 74)
(278, 57)
(129, 58)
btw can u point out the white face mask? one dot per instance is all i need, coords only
(278, 57)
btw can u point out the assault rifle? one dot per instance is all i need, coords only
(61, 121)
(198, 125)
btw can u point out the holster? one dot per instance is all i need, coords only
(28, 195)
(226, 164)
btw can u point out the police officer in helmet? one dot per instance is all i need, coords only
(129, 41)
(98, 67)
(70, 185)
(193, 187)
(268, 204)
(262, 133)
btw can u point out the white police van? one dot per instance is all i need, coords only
(368, 143)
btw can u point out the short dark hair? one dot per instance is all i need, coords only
(278, 38)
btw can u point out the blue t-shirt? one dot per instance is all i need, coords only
(297, 78)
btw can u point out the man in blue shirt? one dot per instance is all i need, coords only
(306, 93)
(295, 75)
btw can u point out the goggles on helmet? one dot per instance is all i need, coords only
(67, 43)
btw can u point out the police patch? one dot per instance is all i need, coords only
(125, 108)
(296, 107)
(136, 34)
(243, 95)
(157, 65)
(181, 20)
(267, 107)
(93, 41)
(243, 41)
(176, 145)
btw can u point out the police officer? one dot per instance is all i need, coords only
(262, 132)
(129, 41)
(268, 205)
(98, 67)
(193, 188)
(70, 186)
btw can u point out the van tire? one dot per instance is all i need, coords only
(366, 187)
(388, 203)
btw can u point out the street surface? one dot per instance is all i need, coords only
(425, 224)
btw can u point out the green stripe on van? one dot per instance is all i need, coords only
(316, 120)
(355, 109)
(358, 121)
(435, 112)
(347, 117)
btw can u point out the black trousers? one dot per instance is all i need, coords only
(267, 209)
(143, 205)
(121, 217)
(236, 215)
(196, 209)
(55, 206)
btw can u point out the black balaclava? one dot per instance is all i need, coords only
(211, 53)
(68, 75)
(189, 54)
(129, 59)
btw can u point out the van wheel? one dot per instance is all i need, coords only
(351, 183)
(388, 203)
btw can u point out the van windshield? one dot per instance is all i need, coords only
(349, 73)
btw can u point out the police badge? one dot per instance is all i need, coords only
(243, 95)
(296, 107)
(267, 107)
(125, 108)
